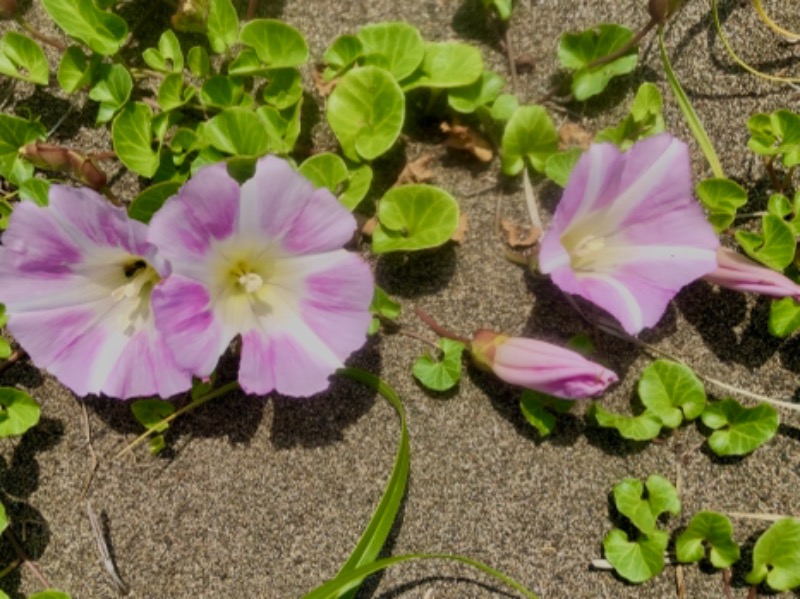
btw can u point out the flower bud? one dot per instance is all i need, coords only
(739, 273)
(539, 366)
(660, 10)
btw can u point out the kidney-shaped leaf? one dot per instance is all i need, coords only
(341, 54)
(18, 412)
(714, 529)
(722, 198)
(447, 64)
(775, 247)
(739, 430)
(414, 217)
(366, 112)
(443, 375)
(102, 31)
(277, 44)
(643, 512)
(643, 427)
(237, 131)
(776, 556)
(530, 135)
(636, 561)
(23, 58)
(784, 317)
(672, 391)
(396, 47)
(481, 92)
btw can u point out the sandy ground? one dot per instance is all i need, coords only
(265, 497)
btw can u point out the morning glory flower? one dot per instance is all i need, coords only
(76, 278)
(263, 260)
(627, 234)
(739, 273)
(540, 366)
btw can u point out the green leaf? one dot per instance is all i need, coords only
(481, 92)
(739, 430)
(169, 57)
(366, 112)
(5, 348)
(784, 317)
(221, 91)
(776, 556)
(779, 205)
(3, 518)
(23, 58)
(636, 561)
(341, 55)
(325, 170)
(558, 166)
(501, 7)
(671, 391)
(18, 412)
(714, 529)
(357, 187)
(35, 190)
(504, 107)
(237, 131)
(149, 201)
(222, 26)
(644, 120)
(102, 31)
(384, 306)
(150, 413)
(74, 70)
(380, 525)
(277, 44)
(776, 134)
(282, 127)
(643, 427)
(396, 47)
(530, 135)
(16, 133)
(112, 89)
(247, 64)
(775, 247)
(132, 136)
(444, 375)
(170, 92)
(577, 51)
(5, 213)
(446, 64)
(722, 198)
(199, 63)
(414, 217)
(643, 512)
(3, 316)
(285, 88)
(538, 410)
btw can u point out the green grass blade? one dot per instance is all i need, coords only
(373, 538)
(350, 580)
(689, 114)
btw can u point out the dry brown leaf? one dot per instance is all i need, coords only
(323, 87)
(417, 171)
(572, 135)
(461, 137)
(461, 231)
(520, 236)
(368, 225)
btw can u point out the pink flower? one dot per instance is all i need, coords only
(540, 366)
(265, 261)
(739, 273)
(627, 234)
(76, 278)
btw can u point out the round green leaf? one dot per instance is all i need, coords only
(277, 44)
(221, 91)
(148, 202)
(643, 427)
(23, 58)
(577, 51)
(447, 64)
(559, 166)
(739, 430)
(325, 170)
(366, 112)
(776, 556)
(414, 217)
(236, 131)
(671, 391)
(132, 135)
(18, 412)
(482, 92)
(784, 317)
(636, 561)
(102, 31)
(662, 497)
(443, 375)
(722, 198)
(530, 135)
(714, 529)
(285, 88)
(341, 54)
(396, 47)
(222, 25)
(775, 247)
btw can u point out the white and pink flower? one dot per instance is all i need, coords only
(263, 260)
(76, 279)
(627, 234)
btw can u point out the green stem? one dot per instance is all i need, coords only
(695, 125)
(195, 403)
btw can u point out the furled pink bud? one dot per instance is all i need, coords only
(539, 366)
(739, 273)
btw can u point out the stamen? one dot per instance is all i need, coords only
(251, 282)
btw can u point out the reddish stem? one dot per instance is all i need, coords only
(437, 328)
